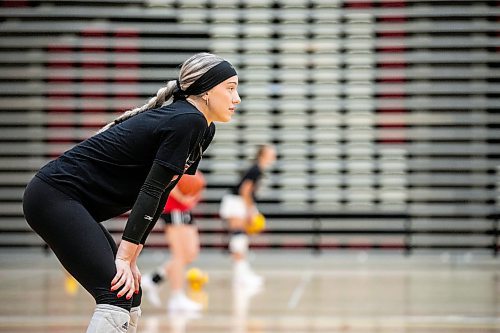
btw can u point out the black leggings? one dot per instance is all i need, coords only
(83, 246)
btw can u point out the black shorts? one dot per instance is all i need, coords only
(177, 217)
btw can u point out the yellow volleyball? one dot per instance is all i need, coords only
(196, 278)
(257, 225)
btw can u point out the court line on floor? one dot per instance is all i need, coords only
(299, 290)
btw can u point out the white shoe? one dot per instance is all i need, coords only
(244, 276)
(249, 280)
(179, 320)
(151, 290)
(180, 302)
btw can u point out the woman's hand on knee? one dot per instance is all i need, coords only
(123, 279)
(137, 276)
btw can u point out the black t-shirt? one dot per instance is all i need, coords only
(106, 171)
(253, 174)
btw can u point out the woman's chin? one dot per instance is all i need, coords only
(226, 119)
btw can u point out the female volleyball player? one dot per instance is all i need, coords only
(132, 163)
(183, 239)
(239, 208)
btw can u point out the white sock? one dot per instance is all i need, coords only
(241, 266)
(109, 319)
(176, 294)
(238, 244)
(135, 314)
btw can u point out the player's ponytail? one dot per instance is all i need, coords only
(163, 95)
(192, 69)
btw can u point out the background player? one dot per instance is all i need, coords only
(239, 208)
(183, 239)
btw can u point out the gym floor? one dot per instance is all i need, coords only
(331, 292)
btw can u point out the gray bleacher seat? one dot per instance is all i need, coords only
(373, 108)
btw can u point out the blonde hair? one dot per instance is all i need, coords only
(191, 70)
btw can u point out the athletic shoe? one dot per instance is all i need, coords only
(151, 290)
(180, 303)
(250, 280)
(247, 278)
(179, 320)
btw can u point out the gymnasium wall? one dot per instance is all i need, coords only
(376, 108)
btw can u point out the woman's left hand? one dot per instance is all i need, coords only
(137, 276)
(124, 279)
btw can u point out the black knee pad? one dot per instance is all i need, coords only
(136, 299)
(111, 298)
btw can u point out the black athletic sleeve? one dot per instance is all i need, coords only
(159, 210)
(156, 188)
